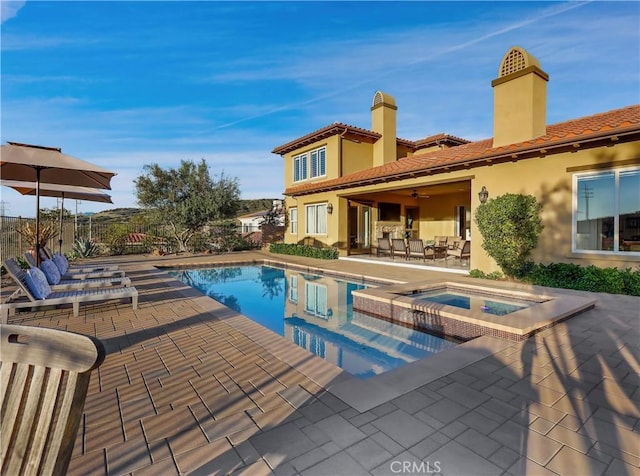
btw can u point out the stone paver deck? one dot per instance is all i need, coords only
(192, 387)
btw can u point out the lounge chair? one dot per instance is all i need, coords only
(36, 289)
(384, 247)
(79, 273)
(45, 378)
(417, 249)
(398, 247)
(19, 275)
(461, 251)
(46, 253)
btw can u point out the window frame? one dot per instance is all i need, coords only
(293, 223)
(317, 206)
(617, 172)
(311, 164)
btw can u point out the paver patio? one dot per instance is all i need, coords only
(191, 387)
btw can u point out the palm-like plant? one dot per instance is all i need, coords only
(47, 232)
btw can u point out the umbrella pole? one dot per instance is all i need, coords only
(61, 213)
(38, 216)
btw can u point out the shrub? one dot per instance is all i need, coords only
(588, 278)
(116, 238)
(495, 275)
(510, 225)
(85, 248)
(303, 250)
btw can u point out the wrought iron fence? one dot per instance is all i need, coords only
(14, 244)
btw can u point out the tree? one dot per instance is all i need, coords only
(53, 214)
(510, 225)
(187, 198)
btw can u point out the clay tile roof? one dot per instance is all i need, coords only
(327, 131)
(606, 124)
(441, 138)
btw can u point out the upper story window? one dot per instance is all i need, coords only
(318, 166)
(300, 168)
(606, 212)
(310, 165)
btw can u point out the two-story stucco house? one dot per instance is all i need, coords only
(346, 186)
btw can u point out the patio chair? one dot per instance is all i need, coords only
(39, 294)
(398, 247)
(45, 375)
(461, 251)
(417, 249)
(384, 247)
(19, 275)
(78, 273)
(46, 253)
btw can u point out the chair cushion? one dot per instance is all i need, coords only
(37, 283)
(60, 263)
(51, 271)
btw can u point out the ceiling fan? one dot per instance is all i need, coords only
(415, 194)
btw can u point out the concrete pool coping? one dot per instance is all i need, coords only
(361, 394)
(396, 303)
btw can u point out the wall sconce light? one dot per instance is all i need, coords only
(329, 208)
(483, 194)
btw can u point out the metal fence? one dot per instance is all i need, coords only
(13, 244)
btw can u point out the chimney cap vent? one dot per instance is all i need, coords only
(380, 99)
(516, 60)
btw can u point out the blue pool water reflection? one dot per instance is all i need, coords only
(315, 312)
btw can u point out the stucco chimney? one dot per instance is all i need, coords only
(383, 121)
(519, 99)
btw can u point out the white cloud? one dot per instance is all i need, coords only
(9, 9)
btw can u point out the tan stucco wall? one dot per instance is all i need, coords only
(549, 181)
(519, 109)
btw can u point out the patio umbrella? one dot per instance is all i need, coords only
(59, 191)
(39, 164)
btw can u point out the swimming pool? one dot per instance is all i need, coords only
(315, 312)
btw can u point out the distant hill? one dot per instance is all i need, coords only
(119, 215)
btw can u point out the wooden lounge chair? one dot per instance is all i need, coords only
(461, 251)
(384, 247)
(81, 273)
(398, 247)
(51, 298)
(45, 375)
(18, 274)
(417, 249)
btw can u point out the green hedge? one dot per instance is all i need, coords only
(572, 276)
(303, 250)
(587, 278)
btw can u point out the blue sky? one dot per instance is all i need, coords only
(124, 84)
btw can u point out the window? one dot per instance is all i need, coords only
(316, 217)
(316, 300)
(607, 211)
(317, 165)
(293, 289)
(300, 168)
(293, 221)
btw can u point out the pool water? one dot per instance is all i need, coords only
(315, 312)
(490, 304)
